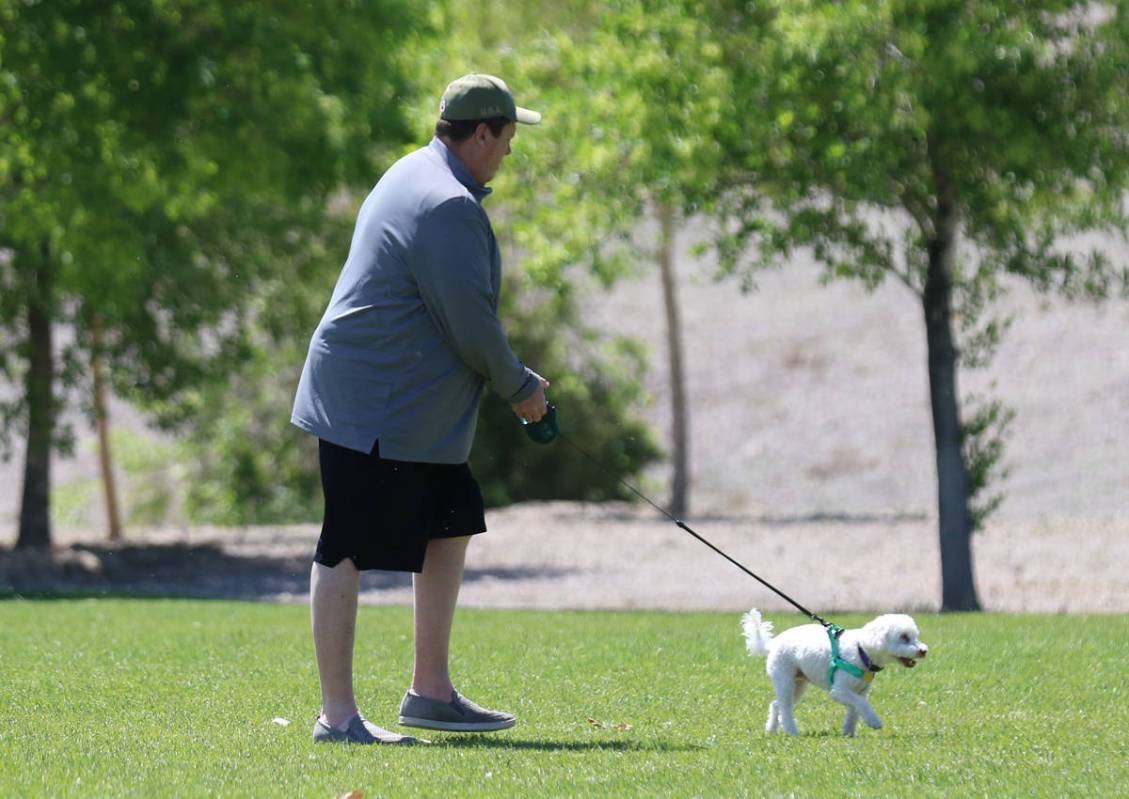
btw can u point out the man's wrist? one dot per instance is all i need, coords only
(528, 387)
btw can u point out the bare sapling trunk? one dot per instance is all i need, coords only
(35, 516)
(958, 589)
(102, 423)
(680, 415)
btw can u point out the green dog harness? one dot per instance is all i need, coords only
(837, 662)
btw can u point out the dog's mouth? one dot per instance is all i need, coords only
(909, 663)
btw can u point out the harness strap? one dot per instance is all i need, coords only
(837, 662)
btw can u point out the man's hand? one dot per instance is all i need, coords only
(535, 406)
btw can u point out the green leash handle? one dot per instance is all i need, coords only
(545, 430)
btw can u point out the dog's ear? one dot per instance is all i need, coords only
(882, 631)
(878, 627)
(892, 624)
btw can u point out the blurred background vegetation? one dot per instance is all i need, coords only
(179, 178)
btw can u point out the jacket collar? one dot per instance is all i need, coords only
(459, 169)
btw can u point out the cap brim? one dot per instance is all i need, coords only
(527, 117)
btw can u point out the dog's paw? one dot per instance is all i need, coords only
(874, 722)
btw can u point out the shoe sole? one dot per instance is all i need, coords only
(457, 726)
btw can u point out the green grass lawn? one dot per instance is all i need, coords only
(125, 697)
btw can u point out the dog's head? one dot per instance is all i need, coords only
(894, 637)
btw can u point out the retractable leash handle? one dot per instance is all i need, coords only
(546, 429)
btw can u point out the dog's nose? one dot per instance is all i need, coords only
(923, 651)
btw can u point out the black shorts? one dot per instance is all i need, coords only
(382, 513)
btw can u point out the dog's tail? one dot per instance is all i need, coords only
(757, 633)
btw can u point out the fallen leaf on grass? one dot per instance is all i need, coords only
(357, 794)
(623, 725)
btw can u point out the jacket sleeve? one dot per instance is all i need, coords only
(452, 271)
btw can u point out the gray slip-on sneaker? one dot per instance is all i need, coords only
(457, 715)
(361, 731)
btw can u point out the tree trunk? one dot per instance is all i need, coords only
(102, 423)
(958, 590)
(35, 518)
(680, 415)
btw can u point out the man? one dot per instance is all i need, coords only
(391, 387)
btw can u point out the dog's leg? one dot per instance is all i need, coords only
(852, 701)
(801, 686)
(773, 723)
(850, 722)
(867, 711)
(784, 683)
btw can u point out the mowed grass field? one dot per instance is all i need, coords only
(130, 697)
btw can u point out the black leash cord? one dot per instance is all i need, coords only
(568, 440)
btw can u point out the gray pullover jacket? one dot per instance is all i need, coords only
(411, 334)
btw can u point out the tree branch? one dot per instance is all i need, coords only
(918, 213)
(905, 278)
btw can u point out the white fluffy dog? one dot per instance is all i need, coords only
(803, 655)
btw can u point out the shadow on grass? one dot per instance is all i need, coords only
(542, 745)
(191, 570)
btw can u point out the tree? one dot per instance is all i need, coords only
(163, 167)
(944, 143)
(679, 504)
(101, 415)
(632, 99)
(667, 76)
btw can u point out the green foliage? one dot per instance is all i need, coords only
(71, 502)
(245, 463)
(185, 172)
(982, 442)
(654, 684)
(154, 478)
(632, 95)
(150, 485)
(1015, 108)
(595, 386)
(882, 123)
(165, 165)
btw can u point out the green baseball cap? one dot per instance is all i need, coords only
(478, 96)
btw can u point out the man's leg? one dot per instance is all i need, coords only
(436, 592)
(432, 702)
(333, 616)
